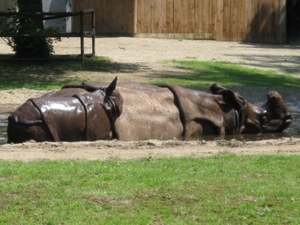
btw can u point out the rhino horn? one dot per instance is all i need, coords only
(109, 90)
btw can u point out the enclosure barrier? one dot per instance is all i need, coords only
(56, 15)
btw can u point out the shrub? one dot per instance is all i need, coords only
(29, 47)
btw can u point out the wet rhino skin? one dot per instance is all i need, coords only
(149, 112)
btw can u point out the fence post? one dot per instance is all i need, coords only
(93, 33)
(82, 37)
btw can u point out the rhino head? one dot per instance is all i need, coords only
(276, 117)
(271, 117)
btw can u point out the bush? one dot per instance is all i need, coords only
(29, 47)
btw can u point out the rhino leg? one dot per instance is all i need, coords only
(26, 124)
(198, 127)
(18, 133)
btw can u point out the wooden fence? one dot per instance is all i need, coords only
(261, 21)
(50, 16)
(112, 16)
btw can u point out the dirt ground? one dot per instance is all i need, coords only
(141, 59)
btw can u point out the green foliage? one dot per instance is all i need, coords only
(203, 74)
(223, 189)
(28, 47)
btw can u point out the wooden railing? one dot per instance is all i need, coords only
(55, 15)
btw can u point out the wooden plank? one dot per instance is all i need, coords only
(101, 17)
(206, 16)
(113, 16)
(234, 18)
(105, 13)
(255, 24)
(198, 16)
(282, 23)
(247, 21)
(249, 6)
(275, 22)
(163, 16)
(140, 16)
(177, 16)
(159, 16)
(134, 14)
(155, 16)
(87, 18)
(191, 16)
(123, 8)
(219, 20)
(130, 17)
(269, 36)
(184, 16)
(261, 20)
(126, 20)
(78, 6)
(227, 20)
(169, 16)
(147, 16)
(241, 20)
(213, 14)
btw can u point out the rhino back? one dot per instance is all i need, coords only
(149, 112)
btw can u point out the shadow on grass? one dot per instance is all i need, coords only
(203, 74)
(18, 74)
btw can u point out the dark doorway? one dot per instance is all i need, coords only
(293, 21)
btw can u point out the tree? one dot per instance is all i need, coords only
(30, 47)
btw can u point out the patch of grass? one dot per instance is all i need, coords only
(48, 75)
(55, 74)
(228, 74)
(224, 189)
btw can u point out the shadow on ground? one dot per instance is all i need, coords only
(284, 63)
(34, 74)
(202, 74)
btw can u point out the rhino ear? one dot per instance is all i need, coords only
(232, 99)
(216, 89)
(275, 98)
(109, 90)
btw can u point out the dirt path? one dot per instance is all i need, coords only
(103, 150)
(142, 60)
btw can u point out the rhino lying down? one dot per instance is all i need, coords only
(88, 112)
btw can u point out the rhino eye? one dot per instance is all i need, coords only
(264, 120)
(265, 117)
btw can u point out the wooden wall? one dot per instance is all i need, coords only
(261, 21)
(189, 18)
(112, 16)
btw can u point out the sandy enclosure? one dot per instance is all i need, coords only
(142, 59)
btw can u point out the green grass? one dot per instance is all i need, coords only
(49, 75)
(228, 74)
(224, 189)
(52, 75)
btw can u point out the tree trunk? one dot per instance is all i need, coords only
(31, 47)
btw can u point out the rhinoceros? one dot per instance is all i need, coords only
(136, 111)
(72, 114)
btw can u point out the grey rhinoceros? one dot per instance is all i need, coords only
(134, 111)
